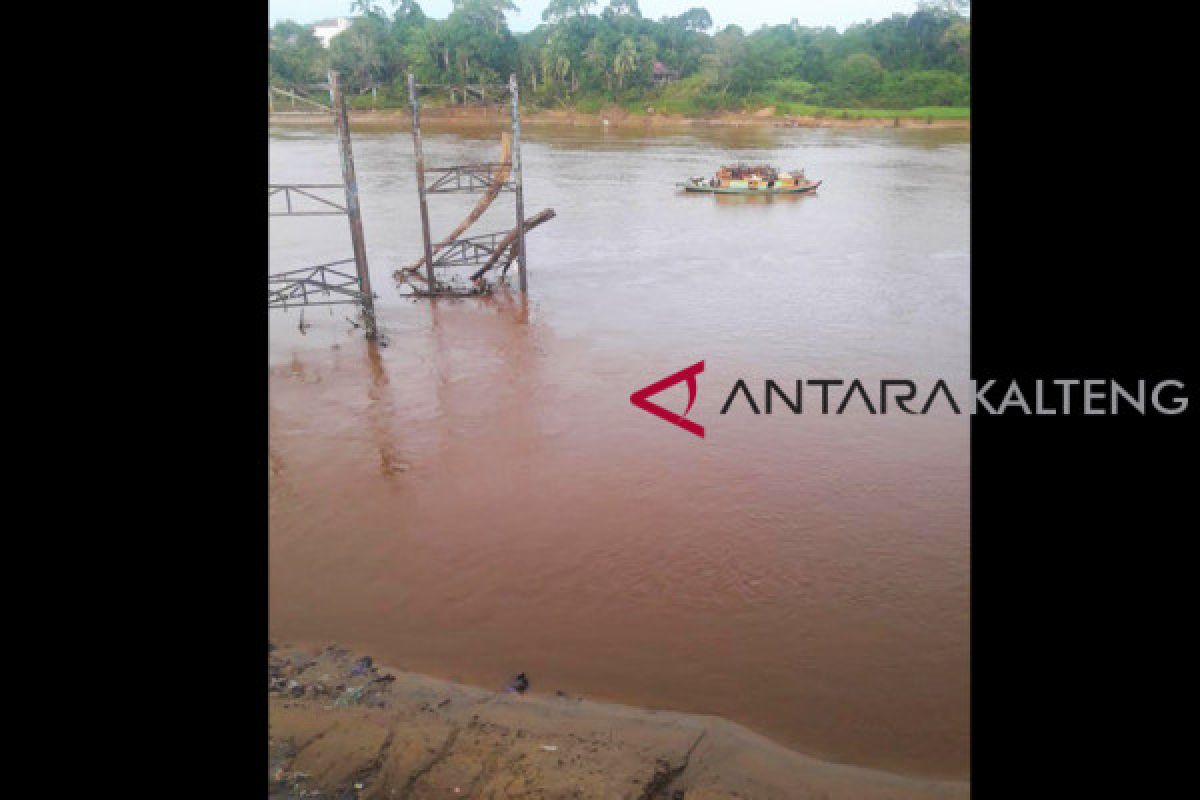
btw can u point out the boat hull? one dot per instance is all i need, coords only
(702, 189)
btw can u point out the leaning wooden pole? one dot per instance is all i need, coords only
(498, 181)
(512, 241)
(420, 157)
(516, 161)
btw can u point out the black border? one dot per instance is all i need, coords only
(1075, 523)
(1078, 524)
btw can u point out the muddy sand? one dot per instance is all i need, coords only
(615, 118)
(342, 727)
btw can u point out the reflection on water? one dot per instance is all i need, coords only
(759, 199)
(479, 498)
(381, 413)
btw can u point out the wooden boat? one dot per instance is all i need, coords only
(751, 179)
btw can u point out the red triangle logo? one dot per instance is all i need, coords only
(640, 398)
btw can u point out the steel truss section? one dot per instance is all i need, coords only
(322, 285)
(466, 178)
(468, 252)
(318, 285)
(289, 190)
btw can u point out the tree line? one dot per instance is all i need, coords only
(586, 60)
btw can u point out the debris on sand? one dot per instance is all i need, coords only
(345, 729)
(520, 684)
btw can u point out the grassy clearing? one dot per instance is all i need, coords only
(686, 98)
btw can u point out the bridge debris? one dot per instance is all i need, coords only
(321, 284)
(490, 178)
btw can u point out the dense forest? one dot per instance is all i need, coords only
(586, 60)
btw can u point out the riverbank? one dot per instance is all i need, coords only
(618, 118)
(341, 726)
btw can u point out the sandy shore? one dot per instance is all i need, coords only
(449, 118)
(342, 727)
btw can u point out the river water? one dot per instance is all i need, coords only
(479, 497)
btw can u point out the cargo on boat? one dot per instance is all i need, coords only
(752, 179)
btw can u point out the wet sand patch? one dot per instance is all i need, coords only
(341, 726)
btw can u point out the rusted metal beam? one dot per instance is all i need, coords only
(357, 239)
(516, 161)
(419, 154)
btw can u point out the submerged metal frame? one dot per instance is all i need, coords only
(301, 285)
(469, 251)
(327, 285)
(466, 178)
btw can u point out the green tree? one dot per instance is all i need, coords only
(407, 9)
(792, 90)
(729, 49)
(596, 58)
(625, 61)
(958, 36)
(420, 54)
(904, 60)
(295, 55)
(499, 9)
(695, 19)
(858, 79)
(621, 8)
(562, 67)
(559, 10)
(489, 13)
(368, 53)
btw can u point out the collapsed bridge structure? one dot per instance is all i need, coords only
(322, 284)
(333, 283)
(484, 251)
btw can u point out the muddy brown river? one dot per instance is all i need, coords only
(479, 498)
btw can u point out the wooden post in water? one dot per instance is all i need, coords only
(516, 171)
(420, 157)
(352, 210)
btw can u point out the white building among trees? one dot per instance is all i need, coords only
(326, 29)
